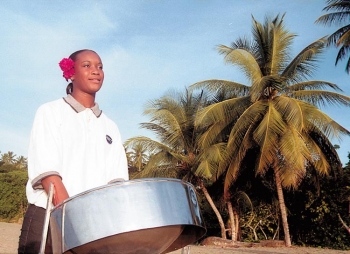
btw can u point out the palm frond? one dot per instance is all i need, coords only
(228, 110)
(230, 176)
(253, 114)
(217, 117)
(161, 164)
(343, 5)
(266, 136)
(172, 125)
(319, 159)
(314, 118)
(294, 156)
(303, 65)
(149, 144)
(260, 47)
(272, 42)
(335, 18)
(243, 59)
(241, 43)
(343, 36)
(340, 15)
(156, 128)
(342, 53)
(347, 66)
(326, 155)
(240, 140)
(212, 134)
(233, 89)
(312, 85)
(342, 33)
(171, 117)
(281, 40)
(210, 159)
(321, 98)
(236, 153)
(237, 144)
(290, 111)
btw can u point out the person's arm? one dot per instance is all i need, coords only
(60, 192)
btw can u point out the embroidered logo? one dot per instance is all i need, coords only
(109, 139)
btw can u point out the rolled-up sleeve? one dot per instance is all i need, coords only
(44, 146)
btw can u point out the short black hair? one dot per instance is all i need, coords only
(74, 55)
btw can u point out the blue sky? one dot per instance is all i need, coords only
(148, 48)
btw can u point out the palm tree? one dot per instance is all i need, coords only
(341, 37)
(137, 157)
(276, 117)
(21, 162)
(177, 153)
(8, 158)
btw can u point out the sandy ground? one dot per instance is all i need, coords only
(9, 233)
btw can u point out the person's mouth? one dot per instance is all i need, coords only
(97, 80)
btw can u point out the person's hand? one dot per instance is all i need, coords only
(117, 180)
(60, 193)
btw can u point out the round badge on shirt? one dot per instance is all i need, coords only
(109, 139)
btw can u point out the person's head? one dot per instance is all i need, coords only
(87, 74)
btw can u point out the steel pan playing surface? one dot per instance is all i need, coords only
(155, 215)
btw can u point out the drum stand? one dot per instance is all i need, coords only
(47, 219)
(185, 250)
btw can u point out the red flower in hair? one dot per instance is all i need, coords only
(67, 66)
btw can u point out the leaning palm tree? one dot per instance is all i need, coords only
(340, 38)
(177, 153)
(276, 116)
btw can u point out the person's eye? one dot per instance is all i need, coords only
(100, 67)
(86, 65)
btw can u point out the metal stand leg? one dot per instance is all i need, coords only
(185, 250)
(47, 219)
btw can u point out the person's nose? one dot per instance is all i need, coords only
(96, 71)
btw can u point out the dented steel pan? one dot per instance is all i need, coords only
(156, 215)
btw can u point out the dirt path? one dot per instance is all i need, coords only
(9, 233)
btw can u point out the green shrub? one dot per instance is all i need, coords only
(13, 201)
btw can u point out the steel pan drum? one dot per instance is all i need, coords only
(156, 215)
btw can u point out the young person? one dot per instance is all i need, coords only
(73, 145)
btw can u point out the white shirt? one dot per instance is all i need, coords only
(81, 145)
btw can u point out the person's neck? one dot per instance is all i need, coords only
(87, 100)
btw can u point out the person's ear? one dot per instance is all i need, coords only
(72, 78)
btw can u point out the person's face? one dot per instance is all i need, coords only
(89, 75)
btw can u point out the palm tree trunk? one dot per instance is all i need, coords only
(343, 223)
(216, 211)
(236, 216)
(232, 222)
(283, 210)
